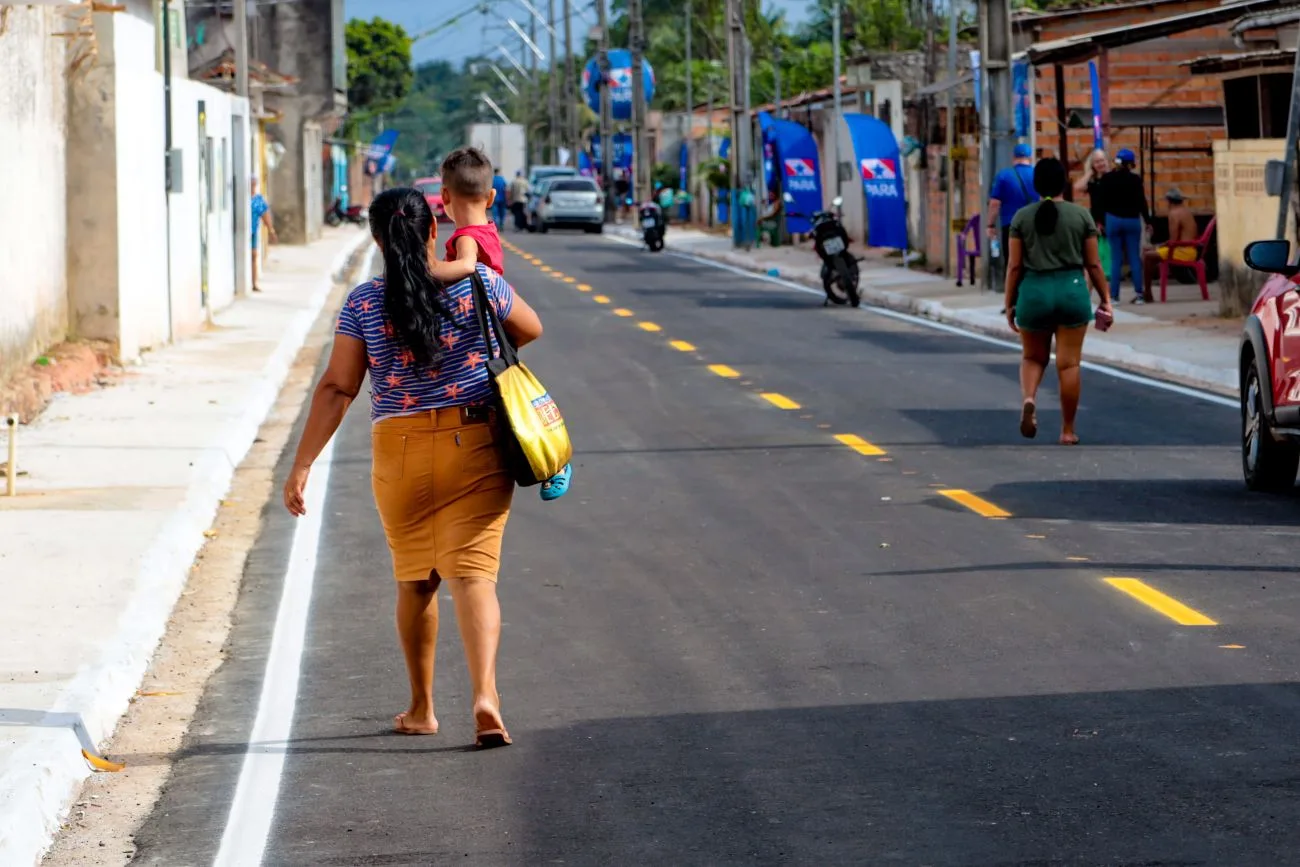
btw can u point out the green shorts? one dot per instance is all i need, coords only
(1049, 300)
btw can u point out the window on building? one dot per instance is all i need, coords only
(1256, 106)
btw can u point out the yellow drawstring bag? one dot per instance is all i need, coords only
(534, 437)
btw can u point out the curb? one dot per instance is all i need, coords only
(36, 790)
(1222, 381)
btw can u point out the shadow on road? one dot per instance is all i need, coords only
(917, 342)
(1167, 776)
(1000, 426)
(1146, 501)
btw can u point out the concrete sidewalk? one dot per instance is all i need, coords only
(94, 552)
(1183, 340)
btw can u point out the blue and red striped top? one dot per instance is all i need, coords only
(398, 386)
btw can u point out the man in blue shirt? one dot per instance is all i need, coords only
(1013, 188)
(499, 203)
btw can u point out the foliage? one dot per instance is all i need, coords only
(717, 172)
(379, 65)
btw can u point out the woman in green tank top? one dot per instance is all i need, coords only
(1052, 245)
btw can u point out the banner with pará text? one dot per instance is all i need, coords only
(881, 169)
(794, 168)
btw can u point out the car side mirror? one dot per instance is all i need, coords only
(1271, 257)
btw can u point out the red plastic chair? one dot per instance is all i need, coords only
(1198, 265)
(965, 253)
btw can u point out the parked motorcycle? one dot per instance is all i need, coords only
(336, 215)
(839, 273)
(652, 226)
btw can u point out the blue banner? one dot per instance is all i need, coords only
(1098, 141)
(622, 151)
(1020, 89)
(794, 168)
(585, 167)
(619, 83)
(379, 156)
(881, 169)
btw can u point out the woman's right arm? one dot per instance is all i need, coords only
(1092, 264)
(523, 325)
(1015, 270)
(334, 394)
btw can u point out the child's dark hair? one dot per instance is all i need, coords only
(1049, 181)
(468, 172)
(400, 220)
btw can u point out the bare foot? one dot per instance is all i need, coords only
(1029, 420)
(1069, 439)
(410, 723)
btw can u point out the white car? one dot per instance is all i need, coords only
(574, 202)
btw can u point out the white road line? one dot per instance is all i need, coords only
(249, 825)
(1117, 373)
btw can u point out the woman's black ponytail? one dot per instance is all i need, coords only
(1049, 181)
(400, 220)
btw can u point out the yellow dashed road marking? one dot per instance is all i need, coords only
(547, 269)
(682, 345)
(725, 372)
(1166, 605)
(648, 326)
(978, 505)
(583, 287)
(859, 445)
(570, 280)
(624, 312)
(780, 401)
(601, 299)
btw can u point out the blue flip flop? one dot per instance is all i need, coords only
(558, 485)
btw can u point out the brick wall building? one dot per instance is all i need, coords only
(1169, 117)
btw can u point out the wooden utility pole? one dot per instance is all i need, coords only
(553, 96)
(606, 114)
(570, 87)
(837, 96)
(690, 111)
(997, 122)
(641, 173)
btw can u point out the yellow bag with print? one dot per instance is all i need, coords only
(534, 437)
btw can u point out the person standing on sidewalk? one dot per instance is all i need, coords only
(1052, 244)
(499, 201)
(1128, 221)
(519, 201)
(439, 478)
(1094, 170)
(1013, 188)
(261, 213)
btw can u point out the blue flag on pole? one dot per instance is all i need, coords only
(794, 168)
(881, 169)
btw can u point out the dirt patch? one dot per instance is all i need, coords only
(68, 367)
(111, 806)
(1212, 323)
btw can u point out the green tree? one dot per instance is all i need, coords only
(379, 66)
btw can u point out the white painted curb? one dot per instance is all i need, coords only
(36, 790)
(1222, 380)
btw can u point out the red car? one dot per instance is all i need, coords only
(1270, 372)
(432, 189)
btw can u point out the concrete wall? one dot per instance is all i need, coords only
(33, 132)
(1245, 213)
(202, 206)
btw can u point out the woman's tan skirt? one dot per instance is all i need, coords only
(443, 492)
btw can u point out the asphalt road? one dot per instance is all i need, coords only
(740, 640)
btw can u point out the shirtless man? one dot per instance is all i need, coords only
(1182, 227)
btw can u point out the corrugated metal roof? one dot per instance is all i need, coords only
(1219, 63)
(1074, 49)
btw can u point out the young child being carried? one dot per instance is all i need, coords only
(467, 196)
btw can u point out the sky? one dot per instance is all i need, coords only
(467, 36)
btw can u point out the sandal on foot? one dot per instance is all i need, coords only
(1029, 420)
(492, 738)
(1069, 439)
(400, 726)
(558, 485)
